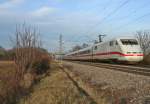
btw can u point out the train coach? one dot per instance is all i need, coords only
(125, 49)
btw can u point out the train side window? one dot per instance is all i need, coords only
(111, 43)
(95, 48)
(116, 43)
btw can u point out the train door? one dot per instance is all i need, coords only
(95, 52)
(107, 50)
(111, 50)
(115, 49)
(92, 54)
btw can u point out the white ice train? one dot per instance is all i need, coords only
(124, 49)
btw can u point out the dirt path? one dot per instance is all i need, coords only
(57, 88)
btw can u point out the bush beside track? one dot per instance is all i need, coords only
(14, 85)
(147, 59)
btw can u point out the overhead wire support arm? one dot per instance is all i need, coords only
(100, 37)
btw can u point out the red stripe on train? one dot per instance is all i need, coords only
(111, 53)
(119, 53)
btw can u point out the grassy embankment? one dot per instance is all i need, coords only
(56, 88)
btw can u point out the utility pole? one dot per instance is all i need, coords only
(100, 37)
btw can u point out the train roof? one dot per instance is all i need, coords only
(125, 37)
(118, 38)
(81, 50)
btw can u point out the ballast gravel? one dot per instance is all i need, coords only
(113, 79)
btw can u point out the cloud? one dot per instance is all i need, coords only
(43, 11)
(9, 4)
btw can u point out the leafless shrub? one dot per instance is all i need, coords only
(29, 61)
(26, 42)
(144, 40)
(27, 51)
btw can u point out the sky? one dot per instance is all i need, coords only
(79, 21)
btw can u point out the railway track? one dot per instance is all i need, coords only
(124, 68)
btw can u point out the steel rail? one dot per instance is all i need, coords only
(123, 68)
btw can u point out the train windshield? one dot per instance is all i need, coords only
(129, 41)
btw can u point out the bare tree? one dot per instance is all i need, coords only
(144, 40)
(26, 43)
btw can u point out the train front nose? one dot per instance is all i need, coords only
(134, 58)
(132, 51)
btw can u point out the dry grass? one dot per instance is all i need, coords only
(56, 88)
(7, 84)
(12, 88)
(6, 68)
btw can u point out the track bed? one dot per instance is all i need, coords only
(134, 86)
